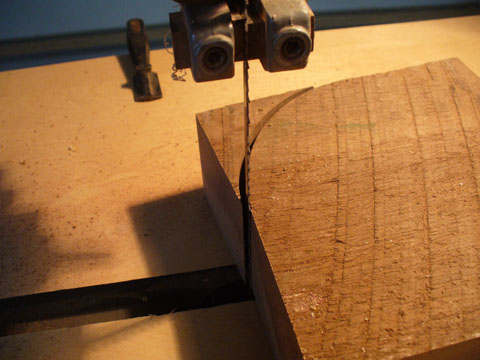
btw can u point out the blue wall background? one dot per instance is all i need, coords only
(37, 18)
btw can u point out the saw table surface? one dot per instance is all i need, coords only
(193, 335)
(96, 189)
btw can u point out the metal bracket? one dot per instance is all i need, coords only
(209, 36)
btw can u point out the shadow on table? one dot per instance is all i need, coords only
(179, 234)
(27, 258)
(128, 68)
(20, 244)
(26, 254)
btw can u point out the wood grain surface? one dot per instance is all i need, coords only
(95, 188)
(365, 197)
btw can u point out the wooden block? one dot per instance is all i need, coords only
(225, 332)
(365, 198)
